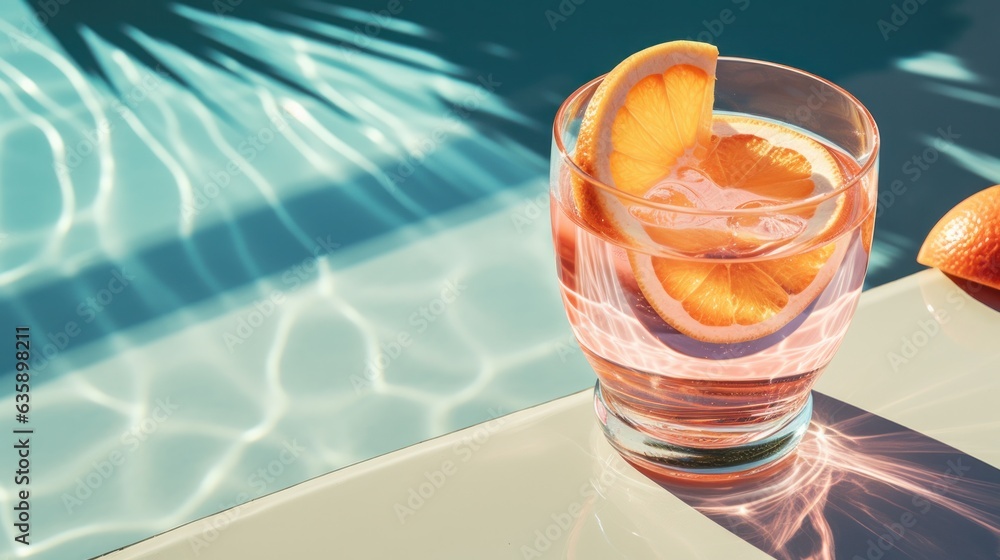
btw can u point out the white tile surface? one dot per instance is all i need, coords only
(496, 489)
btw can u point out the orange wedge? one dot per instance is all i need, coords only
(966, 241)
(649, 132)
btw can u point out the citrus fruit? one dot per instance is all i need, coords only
(670, 86)
(966, 241)
(750, 164)
(649, 134)
(727, 303)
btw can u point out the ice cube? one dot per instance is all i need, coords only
(768, 226)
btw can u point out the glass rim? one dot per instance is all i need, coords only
(814, 200)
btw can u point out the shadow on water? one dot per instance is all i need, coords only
(199, 28)
(346, 209)
(555, 53)
(186, 271)
(863, 487)
(543, 50)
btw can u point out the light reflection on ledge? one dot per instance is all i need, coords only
(861, 486)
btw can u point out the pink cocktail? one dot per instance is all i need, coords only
(708, 306)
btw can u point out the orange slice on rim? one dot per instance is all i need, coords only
(649, 133)
(649, 112)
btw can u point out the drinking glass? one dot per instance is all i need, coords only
(682, 405)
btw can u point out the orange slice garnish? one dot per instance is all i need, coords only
(651, 110)
(649, 132)
(966, 241)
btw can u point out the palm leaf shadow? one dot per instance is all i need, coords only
(187, 25)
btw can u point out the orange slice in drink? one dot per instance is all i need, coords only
(649, 132)
(966, 241)
(750, 164)
(725, 303)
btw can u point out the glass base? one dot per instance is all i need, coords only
(706, 463)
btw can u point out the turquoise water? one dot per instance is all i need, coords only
(261, 247)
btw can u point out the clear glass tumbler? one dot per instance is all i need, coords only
(717, 400)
